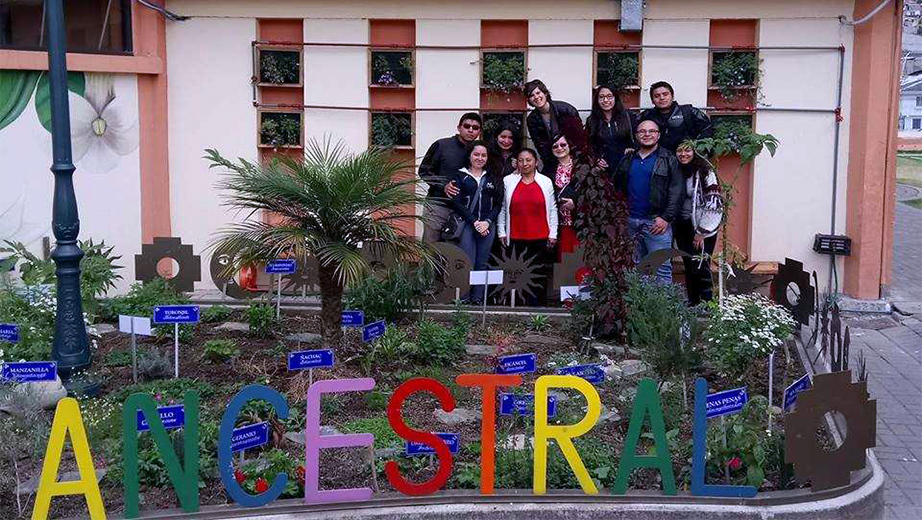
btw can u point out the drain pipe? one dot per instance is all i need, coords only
(835, 168)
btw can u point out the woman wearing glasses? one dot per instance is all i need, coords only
(697, 224)
(566, 181)
(609, 128)
(549, 118)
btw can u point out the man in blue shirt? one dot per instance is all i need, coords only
(653, 183)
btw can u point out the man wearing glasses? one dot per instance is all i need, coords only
(653, 183)
(443, 159)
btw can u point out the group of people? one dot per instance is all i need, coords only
(526, 197)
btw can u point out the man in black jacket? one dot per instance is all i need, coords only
(654, 185)
(676, 122)
(443, 159)
(549, 118)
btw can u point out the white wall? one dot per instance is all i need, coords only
(106, 181)
(210, 106)
(685, 69)
(567, 71)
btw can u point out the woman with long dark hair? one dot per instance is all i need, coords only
(478, 203)
(695, 229)
(503, 148)
(609, 127)
(566, 181)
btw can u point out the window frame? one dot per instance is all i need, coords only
(127, 37)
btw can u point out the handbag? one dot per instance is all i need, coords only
(707, 211)
(454, 224)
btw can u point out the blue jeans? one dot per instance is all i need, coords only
(477, 247)
(646, 242)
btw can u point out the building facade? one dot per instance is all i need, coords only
(255, 78)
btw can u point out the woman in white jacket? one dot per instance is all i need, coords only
(528, 220)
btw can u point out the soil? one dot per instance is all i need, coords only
(263, 361)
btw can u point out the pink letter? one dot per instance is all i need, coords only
(314, 442)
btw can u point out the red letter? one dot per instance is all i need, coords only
(489, 383)
(408, 388)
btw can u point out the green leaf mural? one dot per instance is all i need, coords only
(16, 87)
(76, 83)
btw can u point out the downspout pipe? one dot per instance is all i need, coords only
(835, 168)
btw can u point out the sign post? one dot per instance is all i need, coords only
(721, 404)
(134, 325)
(279, 267)
(9, 332)
(176, 314)
(790, 393)
(771, 381)
(486, 278)
(311, 359)
(516, 364)
(373, 330)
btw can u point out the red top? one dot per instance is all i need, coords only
(528, 213)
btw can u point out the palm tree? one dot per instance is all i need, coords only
(335, 206)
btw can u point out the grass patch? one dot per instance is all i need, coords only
(378, 426)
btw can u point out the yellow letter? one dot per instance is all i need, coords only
(67, 417)
(563, 434)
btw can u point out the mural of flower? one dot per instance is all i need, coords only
(102, 130)
(14, 225)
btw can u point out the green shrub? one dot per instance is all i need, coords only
(661, 326)
(538, 323)
(165, 391)
(743, 330)
(437, 344)
(143, 297)
(377, 426)
(392, 347)
(118, 358)
(219, 350)
(269, 465)
(397, 294)
(216, 313)
(154, 364)
(261, 317)
(33, 309)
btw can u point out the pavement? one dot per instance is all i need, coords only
(894, 364)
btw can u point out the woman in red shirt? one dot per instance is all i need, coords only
(528, 220)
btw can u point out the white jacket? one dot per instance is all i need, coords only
(547, 187)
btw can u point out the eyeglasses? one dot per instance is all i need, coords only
(606, 97)
(468, 126)
(647, 132)
(559, 145)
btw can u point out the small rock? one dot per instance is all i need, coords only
(480, 350)
(304, 337)
(560, 397)
(908, 307)
(387, 452)
(633, 367)
(298, 437)
(329, 430)
(604, 348)
(542, 340)
(608, 415)
(30, 486)
(104, 328)
(516, 442)
(43, 394)
(458, 416)
(234, 326)
(612, 371)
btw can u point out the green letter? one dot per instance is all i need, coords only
(647, 401)
(185, 482)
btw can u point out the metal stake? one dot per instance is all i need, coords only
(278, 299)
(771, 374)
(176, 350)
(483, 322)
(134, 354)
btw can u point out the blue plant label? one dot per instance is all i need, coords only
(726, 402)
(30, 371)
(516, 364)
(373, 330)
(791, 392)
(353, 318)
(172, 417)
(592, 373)
(418, 448)
(282, 266)
(249, 437)
(511, 404)
(176, 314)
(310, 359)
(9, 332)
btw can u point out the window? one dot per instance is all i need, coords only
(392, 68)
(502, 71)
(916, 123)
(919, 101)
(93, 26)
(280, 129)
(392, 129)
(619, 70)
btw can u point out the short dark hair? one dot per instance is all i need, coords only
(530, 151)
(536, 84)
(661, 84)
(470, 116)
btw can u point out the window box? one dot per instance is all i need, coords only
(392, 69)
(732, 127)
(502, 71)
(280, 67)
(734, 73)
(391, 129)
(618, 69)
(280, 129)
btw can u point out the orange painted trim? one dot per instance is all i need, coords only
(745, 100)
(38, 60)
(497, 100)
(392, 33)
(149, 38)
(733, 33)
(281, 29)
(498, 34)
(739, 225)
(607, 34)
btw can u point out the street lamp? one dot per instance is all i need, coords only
(71, 349)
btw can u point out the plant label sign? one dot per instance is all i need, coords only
(486, 277)
(524, 404)
(134, 325)
(726, 402)
(790, 393)
(305, 359)
(516, 364)
(9, 332)
(176, 314)
(373, 330)
(592, 372)
(576, 292)
(249, 437)
(282, 266)
(418, 448)
(173, 417)
(353, 318)
(28, 371)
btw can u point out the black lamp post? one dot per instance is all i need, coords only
(71, 349)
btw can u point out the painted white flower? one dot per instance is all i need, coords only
(102, 128)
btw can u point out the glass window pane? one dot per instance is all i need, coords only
(93, 26)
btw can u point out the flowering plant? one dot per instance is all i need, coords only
(743, 329)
